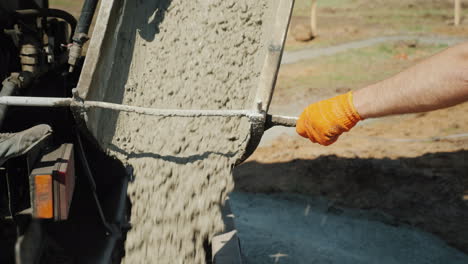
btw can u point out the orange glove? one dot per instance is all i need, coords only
(325, 121)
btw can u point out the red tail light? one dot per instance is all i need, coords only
(43, 196)
(53, 182)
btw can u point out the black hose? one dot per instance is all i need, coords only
(70, 19)
(9, 88)
(86, 17)
(81, 34)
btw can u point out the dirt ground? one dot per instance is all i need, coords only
(423, 184)
(347, 20)
(412, 168)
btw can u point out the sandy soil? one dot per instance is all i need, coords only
(349, 20)
(413, 168)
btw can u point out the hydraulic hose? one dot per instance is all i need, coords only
(9, 86)
(81, 33)
(86, 17)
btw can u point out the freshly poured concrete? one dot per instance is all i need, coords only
(178, 54)
(291, 228)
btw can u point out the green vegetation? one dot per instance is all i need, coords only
(352, 69)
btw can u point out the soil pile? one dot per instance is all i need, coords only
(178, 55)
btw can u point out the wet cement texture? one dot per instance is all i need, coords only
(292, 228)
(204, 54)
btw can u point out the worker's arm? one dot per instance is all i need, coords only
(437, 82)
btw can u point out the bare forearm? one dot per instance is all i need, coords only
(437, 82)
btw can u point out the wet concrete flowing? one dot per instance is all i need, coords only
(178, 55)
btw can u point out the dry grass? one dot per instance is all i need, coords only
(346, 20)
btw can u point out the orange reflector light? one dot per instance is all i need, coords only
(44, 200)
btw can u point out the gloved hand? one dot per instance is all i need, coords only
(325, 121)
